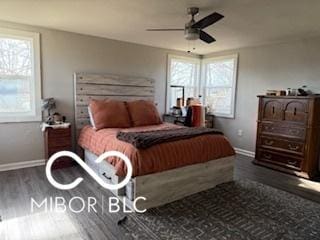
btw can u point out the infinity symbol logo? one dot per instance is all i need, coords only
(96, 177)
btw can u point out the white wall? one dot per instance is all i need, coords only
(276, 66)
(64, 53)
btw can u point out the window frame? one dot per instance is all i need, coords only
(35, 115)
(195, 60)
(203, 81)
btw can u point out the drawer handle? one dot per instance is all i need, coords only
(105, 176)
(293, 148)
(294, 131)
(269, 128)
(269, 143)
(292, 162)
(267, 156)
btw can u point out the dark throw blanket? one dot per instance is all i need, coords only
(150, 138)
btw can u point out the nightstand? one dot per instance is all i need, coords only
(177, 118)
(56, 140)
(173, 118)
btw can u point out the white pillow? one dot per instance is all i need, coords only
(91, 118)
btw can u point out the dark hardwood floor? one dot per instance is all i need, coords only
(244, 169)
(19, 186)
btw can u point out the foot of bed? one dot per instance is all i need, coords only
(167, 186)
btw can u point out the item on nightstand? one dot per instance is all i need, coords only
(176, 111)
(178, 89)
(57, 118)
(193, 101)
(210, 109)
(48, 104)
(179, 102)
(189, 101)
(187, 120)
(184, 111)
(198, 116)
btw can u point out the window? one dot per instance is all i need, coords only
(183, 77)
(219, 84)
(19, 76)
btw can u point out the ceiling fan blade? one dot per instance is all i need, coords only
(208, 20)
(206, 37)
(164, 29)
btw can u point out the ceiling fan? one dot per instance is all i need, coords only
(193, 29)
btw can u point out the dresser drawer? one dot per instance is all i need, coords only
(296, 111)
(277, 129)
(108, 174)
(279, 159)
(279, 144)
(271, 109)
(59, 142)
(61, 162)
(54, 150)
(59, 132)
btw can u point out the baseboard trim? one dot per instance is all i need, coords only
(19, 165)
(40, 162)
(244, 152)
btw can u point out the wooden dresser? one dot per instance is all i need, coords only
(288, 134)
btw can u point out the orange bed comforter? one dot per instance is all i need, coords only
(157, 158)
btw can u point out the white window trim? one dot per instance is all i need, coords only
(188, 60)
(36, 116)
(205, 61)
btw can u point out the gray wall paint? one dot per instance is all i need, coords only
(276, 66)
(64, 53)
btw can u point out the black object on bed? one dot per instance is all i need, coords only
(149, 138)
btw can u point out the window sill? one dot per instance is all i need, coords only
(224, 116)
(20, 120)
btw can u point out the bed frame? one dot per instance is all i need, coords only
(158, 188)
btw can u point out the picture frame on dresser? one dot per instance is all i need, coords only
(288, 134)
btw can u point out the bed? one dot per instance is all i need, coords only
(162, 173)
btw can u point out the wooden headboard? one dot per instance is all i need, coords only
(100, 86)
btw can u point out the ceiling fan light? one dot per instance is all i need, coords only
(191, 33)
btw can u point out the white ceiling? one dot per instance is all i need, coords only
(246, 22)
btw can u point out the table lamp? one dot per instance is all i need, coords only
(48, 104)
